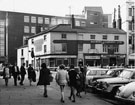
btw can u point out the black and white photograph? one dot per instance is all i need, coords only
(67, 52)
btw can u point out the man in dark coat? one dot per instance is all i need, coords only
(15, 73)
(22, 72)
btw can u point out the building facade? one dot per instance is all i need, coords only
(16, 27)
(65, 44)
(130, 24)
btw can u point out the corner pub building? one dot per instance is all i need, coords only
(68, 44)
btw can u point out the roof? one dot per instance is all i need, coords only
(68, 29)
(96, 9)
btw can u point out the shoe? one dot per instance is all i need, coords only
(62, 100)
(73, 100)
(45, 95)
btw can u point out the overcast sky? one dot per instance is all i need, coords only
(61, 7)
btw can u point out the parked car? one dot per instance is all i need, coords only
(110, 85)
(110, 73)
(126, 93)
(94, 72)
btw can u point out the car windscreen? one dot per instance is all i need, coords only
(126, 74)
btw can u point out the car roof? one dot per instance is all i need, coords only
(96, 68)
(117, 69)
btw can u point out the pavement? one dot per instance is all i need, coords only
(33, 95)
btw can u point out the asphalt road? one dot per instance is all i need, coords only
(33, 95)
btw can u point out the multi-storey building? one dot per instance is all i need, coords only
(16, 27)
(130, 24)
(72, 45)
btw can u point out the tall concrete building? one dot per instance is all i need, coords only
(130, 24)
(16, 27)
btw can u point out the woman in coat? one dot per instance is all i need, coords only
(44, 78)
(62, 79)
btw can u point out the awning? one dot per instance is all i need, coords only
(59, 56)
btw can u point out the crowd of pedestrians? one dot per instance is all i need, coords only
(72, 77)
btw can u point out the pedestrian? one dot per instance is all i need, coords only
(62, 79)
(79, 82)
(44, 78)
(31, 74)
(72, 82)
(15, 73)
(6, 74)
(22, 73)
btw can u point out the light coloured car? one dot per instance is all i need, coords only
(94, 72)
(110, 85)
(126, 93)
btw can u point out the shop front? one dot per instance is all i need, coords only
(112, 60)
(92, 60)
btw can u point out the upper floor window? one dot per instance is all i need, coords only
(40, 20)
(92, 36)
(32, 41)
(104, 37)
(2, 23)
(44, 37)
(33, 29)
(59, 21)
(116, 37)
(53, 21)
(63, 36)
(80, 47)
(22, 52)
(77, 23)
(45, 49)
(26, 29)
(105, 48)
(83, 23)
(64, 47)
(92, 46)
(130, 11)
(33, 19)
(26, 19)
(65, 21)
(130, 25)
(47, 21)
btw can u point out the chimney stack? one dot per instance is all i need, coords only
(119, 18)
(114, 20)
(72, 22)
